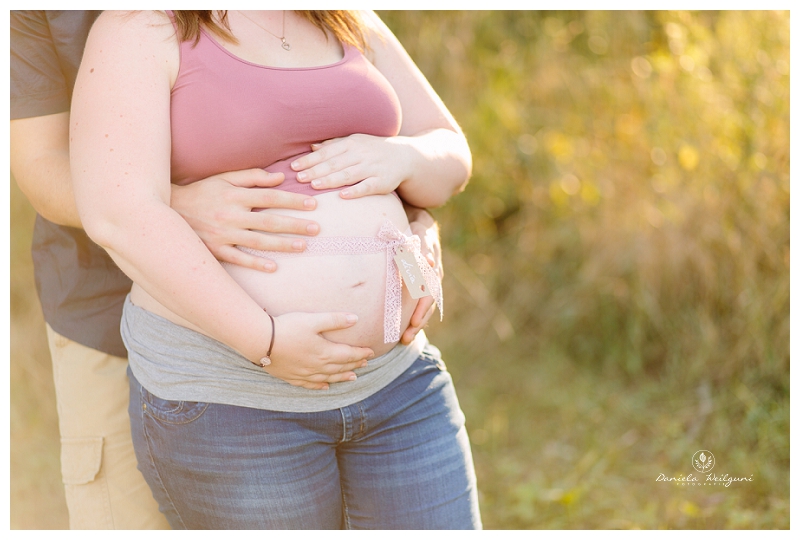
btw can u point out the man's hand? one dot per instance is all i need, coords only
(423, 225)
(220, 210)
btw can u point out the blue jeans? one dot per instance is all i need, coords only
(399, 459)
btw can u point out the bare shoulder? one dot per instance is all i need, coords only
(371, 20)
(377, 35)
(141, 23)
(130, 33)
(133, 38)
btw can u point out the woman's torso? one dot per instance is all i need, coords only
(228, 113)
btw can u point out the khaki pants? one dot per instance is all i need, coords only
(104, 489)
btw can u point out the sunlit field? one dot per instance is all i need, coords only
(616, 272)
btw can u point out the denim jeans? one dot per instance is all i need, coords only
(399, 459)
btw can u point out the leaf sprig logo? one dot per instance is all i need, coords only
(703, 461)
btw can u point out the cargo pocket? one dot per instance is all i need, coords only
(81, 459)
(87, 500)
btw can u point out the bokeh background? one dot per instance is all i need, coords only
(617, 270)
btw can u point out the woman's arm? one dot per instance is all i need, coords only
(427, 163)
(120, 156)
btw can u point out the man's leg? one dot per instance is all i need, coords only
(104, 489)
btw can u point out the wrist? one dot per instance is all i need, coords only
(176, 196)
(406, 157)
(261, 341)
(266, 360)
(419, 216)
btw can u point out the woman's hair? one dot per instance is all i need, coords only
(346, 25)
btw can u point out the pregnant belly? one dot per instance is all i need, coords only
(332, 282)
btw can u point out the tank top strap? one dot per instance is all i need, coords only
(171, 15)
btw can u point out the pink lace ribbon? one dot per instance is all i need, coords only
(389, 239)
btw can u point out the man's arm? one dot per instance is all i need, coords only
(40, 164)
(219, 208)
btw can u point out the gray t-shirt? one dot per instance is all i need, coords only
(80, 288)
(176, 363)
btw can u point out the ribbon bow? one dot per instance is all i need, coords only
(393, 310)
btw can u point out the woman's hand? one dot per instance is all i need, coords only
(220, 210)
(423, 225)
(302, 357)
(369, 165)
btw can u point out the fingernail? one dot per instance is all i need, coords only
(301, 176)
(310, 203)
(295, 164)
(364, 364)
(312, 228)
(316, 183)
(346, 193)
(298, 245)
(269, 266)
(352, 377)
(352, 319)
(314, 146)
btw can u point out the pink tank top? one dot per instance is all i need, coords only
(228, 114)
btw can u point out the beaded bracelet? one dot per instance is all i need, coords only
(265, 361)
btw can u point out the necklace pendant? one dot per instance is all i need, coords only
(285, 45)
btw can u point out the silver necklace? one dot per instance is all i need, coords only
(286, 46)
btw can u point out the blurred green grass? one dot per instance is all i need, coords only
(617, 271)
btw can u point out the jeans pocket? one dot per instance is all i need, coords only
(171, 411)
(433, 356)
